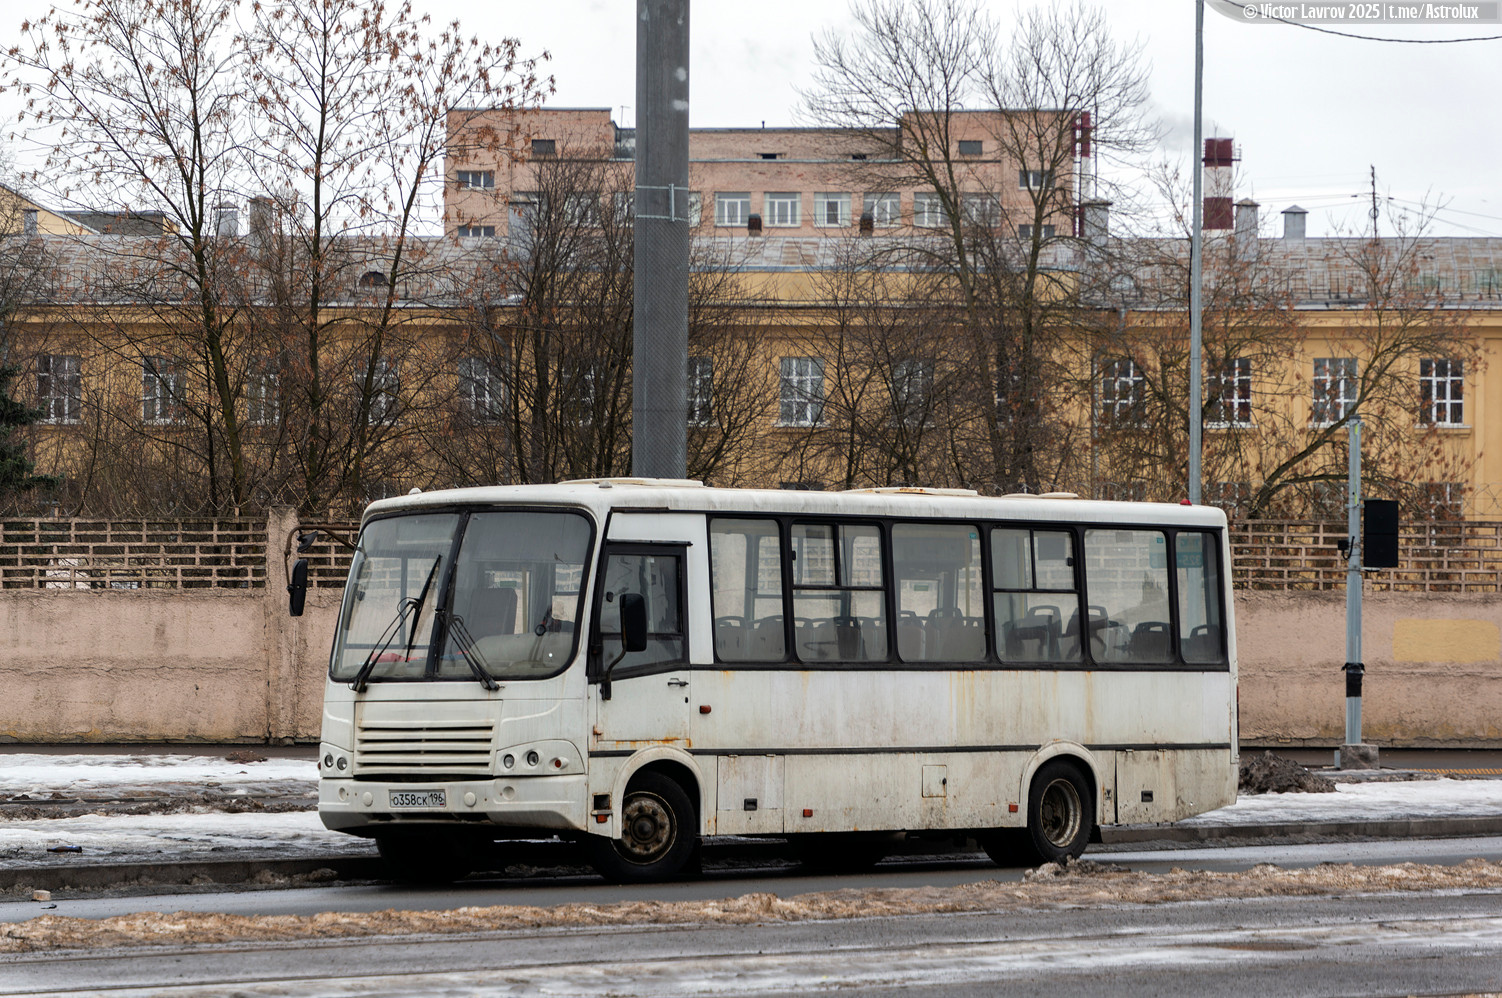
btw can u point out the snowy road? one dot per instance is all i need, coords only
(1382, 945)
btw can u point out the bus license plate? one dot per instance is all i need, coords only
(409, 798)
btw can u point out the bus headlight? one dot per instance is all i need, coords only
(508, 760)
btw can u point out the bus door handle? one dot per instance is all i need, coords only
(677, 682)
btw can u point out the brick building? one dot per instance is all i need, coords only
(783, 181)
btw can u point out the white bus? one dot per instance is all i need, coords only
(639, 664)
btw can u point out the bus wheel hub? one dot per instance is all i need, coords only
(648, 827)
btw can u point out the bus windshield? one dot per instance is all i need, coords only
(505, 609)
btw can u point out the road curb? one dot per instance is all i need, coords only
(268, 872)
(1419, 828)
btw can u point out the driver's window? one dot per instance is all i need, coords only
(656, 577)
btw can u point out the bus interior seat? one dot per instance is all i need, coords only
(1203, 644)
(767, 640)
(492, 612)
(1149, 642)
(951, 636)
(1034, 638)
(730, 638)
(910, 637)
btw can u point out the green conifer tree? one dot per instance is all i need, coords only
(17, 473)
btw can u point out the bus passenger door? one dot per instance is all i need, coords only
(648, 690)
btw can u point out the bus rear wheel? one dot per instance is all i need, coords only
(1060, 818)
(657, 833)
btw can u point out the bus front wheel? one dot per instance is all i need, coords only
(1060, 818)
(658, 833)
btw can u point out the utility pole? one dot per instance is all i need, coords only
(659, 420)
(1354, 754)
(1196, 389)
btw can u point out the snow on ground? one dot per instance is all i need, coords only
(209, 834)
(149, 838)
(1366, 801)
(25, 773)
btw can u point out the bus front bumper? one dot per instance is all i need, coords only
(367, 807)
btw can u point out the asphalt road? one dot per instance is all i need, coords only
(1383, 945)
(1376, 945)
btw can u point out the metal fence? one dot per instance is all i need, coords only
(1450, 556)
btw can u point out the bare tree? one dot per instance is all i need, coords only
(148, 105)
(1275, 422)
(545, 362)
(358, 98)
(910, 81)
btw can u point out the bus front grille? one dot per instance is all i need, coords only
(422, 748)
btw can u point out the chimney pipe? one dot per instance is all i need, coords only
(226, 221)
(1293, 223)
(1096, 222)
(1246, 229)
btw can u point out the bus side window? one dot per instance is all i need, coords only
(656, 578)
(1200, 631)
(745, 569)
(838, 593)
(1037, 607)
(1126, 574)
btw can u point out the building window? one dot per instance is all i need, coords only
(970, 147)
(544, 147)
(912, 391)
(582, 209)
(384, 389)
(771, 155)
(372, 279)
(732, 208)
(831, 209)
(1230, 401)
(476, 231)
(475, 180)
(885, 209)
(981, 209)
(781, 209)
(1443, 500)
(1120, 392)
(60, 388)
(161, 390)
(262, 393)
(1032, 180)
(928, 210)
(480, 390)
(801, 399)
(1442, 391)
(700, 384)
(1026, 232)
(1335, 389)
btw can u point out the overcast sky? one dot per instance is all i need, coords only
(1312, 113)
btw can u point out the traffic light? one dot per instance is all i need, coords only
(1379, 533)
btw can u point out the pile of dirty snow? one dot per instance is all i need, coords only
(1273, 774)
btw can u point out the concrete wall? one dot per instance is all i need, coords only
(217, 665)
(1433, 669)
(227, 665)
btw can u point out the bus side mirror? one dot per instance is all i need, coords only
(633, 634)
(633, 622)
(297, 587)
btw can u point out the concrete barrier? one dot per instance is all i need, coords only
(229, 665)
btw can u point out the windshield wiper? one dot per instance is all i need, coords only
(407, 604)
(470, 651)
